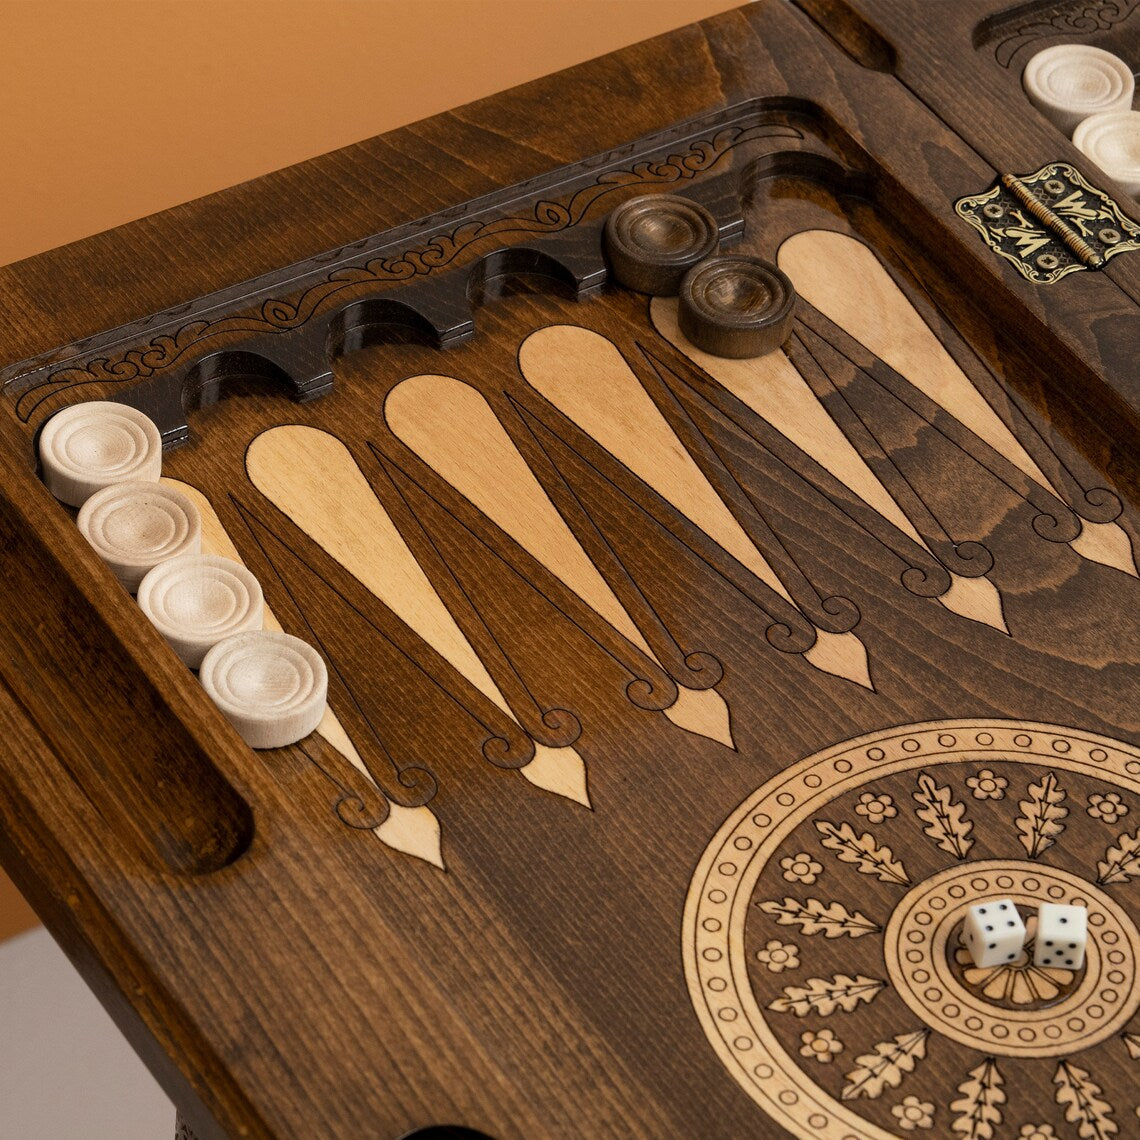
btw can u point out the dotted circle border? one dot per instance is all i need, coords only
(716, 905)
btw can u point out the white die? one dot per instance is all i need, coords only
(993, 932)
(1062, 932)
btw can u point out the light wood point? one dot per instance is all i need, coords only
(453, 429)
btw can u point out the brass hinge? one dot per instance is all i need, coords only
(1050, 223)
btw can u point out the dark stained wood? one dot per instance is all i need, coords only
(740, 307)
(966, 65)
(651, 242)
(565, 596)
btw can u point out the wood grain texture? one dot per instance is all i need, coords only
(843, 279)
(452, 429)
(512, 543)
(341, 514)
(772, 388)
(967, 67)
(413, 830)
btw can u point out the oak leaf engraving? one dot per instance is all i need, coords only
(824, 996)
(863, 851)
(885, 1066)
(1080, 1097)
(814, 916)
(978, 1109)
(1132, 1044)
(945, 819)
(1121, 861)
(1041, 815)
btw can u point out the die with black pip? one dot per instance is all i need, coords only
(993, 932)
(1062, 932)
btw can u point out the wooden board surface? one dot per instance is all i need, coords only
(678, 706)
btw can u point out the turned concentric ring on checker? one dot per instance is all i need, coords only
(135, 526)
(823, 894)
(653, 240)
(89, 446)
(1112, 141)
(737, 307)
(272, 687)
(197, 600)
(1069, 82)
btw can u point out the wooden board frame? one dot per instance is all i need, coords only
(118, 755)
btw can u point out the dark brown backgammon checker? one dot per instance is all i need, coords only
(680, 702)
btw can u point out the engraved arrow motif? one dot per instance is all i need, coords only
(846, 282)
(313, 479)
(453, 429)
(414, 831)
(775, 391)
(585, 376)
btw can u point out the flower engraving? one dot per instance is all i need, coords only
(821, 1046)
(986, 786)
(1107, 808)
(801, 868)
(779, 956)
(913, 1113)
(909, 949)
(876, 808)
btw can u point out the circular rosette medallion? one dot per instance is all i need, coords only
(822, 936)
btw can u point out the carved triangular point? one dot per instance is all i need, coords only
(841, 655)
(1106, 543)
(977, 599)
(559, 770)
(702, 712)
(414, 831)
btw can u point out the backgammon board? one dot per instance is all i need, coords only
(679, 705)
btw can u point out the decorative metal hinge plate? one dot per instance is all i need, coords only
(1050, 223)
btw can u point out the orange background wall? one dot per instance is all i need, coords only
(114, 109)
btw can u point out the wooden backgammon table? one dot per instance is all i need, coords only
(679, 704)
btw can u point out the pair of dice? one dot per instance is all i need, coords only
(994, 934)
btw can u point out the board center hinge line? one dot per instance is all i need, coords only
(1050, 223)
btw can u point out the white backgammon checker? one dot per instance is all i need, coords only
(1069, 82)
(271, 686)
(93, 445)
(1112, 141)
(993, 932)
(1062, 934)
(197, 600)
(135, 526)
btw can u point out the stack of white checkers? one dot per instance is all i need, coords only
(1088, 93)
(106, 459)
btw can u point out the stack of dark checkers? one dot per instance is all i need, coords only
(718, 510)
